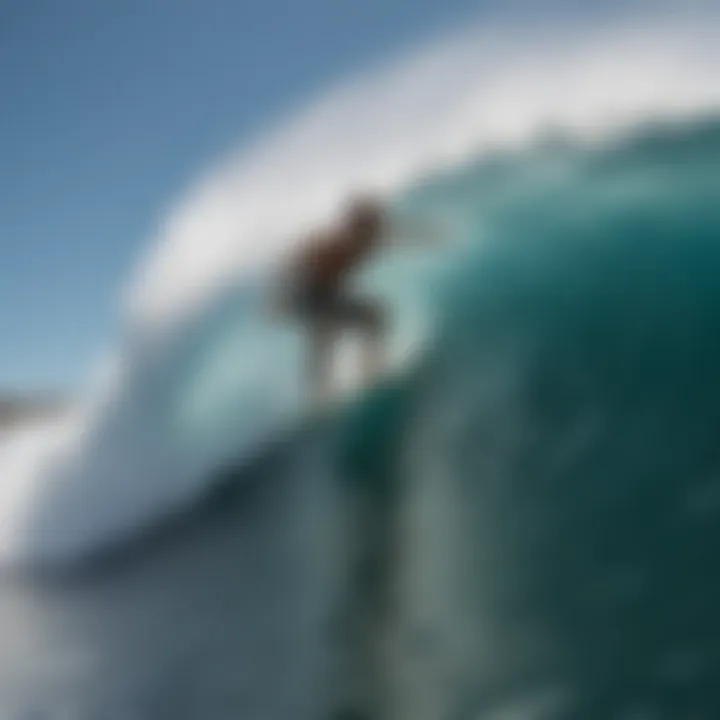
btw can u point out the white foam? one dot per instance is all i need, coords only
(474, 91)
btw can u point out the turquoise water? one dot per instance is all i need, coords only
(554, 464)
(526, 519)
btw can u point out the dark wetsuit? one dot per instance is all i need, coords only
(319, 286)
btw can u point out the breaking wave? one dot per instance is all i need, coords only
(575, 173)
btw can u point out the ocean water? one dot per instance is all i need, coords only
(522, 525)
(561, 483)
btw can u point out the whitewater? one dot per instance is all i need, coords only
(202, 377)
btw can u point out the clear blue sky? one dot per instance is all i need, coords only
(110, 108)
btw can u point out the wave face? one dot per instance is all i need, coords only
(560, 470)
(203, 376)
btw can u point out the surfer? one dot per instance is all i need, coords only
(316, 292)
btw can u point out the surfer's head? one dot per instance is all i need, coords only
(365, 218)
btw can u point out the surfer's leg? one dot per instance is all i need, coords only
(372, 324)
(367, 317)
(313, 307)
(322, 338)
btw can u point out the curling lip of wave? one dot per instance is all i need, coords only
(477, 90)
